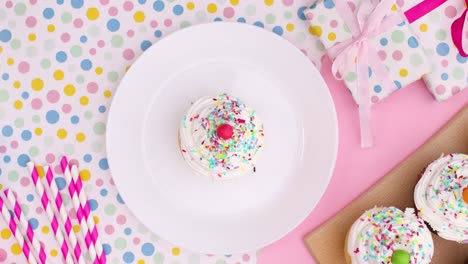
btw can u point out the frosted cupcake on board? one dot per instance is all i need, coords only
(221, 137)
(441, 197)
(389, 235)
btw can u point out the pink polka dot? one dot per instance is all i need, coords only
(130, 33)
(39, 210)
(288, 2)
(121, 219)
(23, 67)
(444, 63)
(74, 162)
(78, 23)
(92, 51)
(400, 3)
(374, 99)
(50, 158)
(333, 23)
(136, 241)
(104, 2)
(455, 90)
(450, 11)
(382, 54)
(8, 4)
(53, 96)
(128, 6)
(153, 23)
(66, 108)
(113, 11)
(25, 181)
(92, 87)
(310, 16)
(36, 103)
(57, 169)
(440, 89)
(2, 149)
(352, 6)
(109, 229)
(128, 54)
(228, 12)
(168, 22)
(245, 257)
(101, 43)
(31, 21)
(72, 213)
(32, 2)
(99, 182)
(14, 144)
(65, 37)
(397, 55)
(111, 182)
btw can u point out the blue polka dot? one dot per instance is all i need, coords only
(444, 76)
(86, 64)
(443, 49)
(7, 159)
(141, 2)
(52, 117)
(60, 2)
(329, 4)
(83, 39)
(103, 192)
(145, 45)
(383, 41)
(107, 248)
(369, 71)
(22, 160)
(48, 13)
(5, 76)
(7, 131)
(33, 223)
(278, 30)
(87, 158)
(413, 42)
(113, 25)
(0, 171)
(61, 183)
(119, 199)
(93, 204)
(103, 164)
(157, 33)
(128, 231)
(158, 6)
(61, 56)
(75, 119)
(377, 88)
(398, 84)
(218, 19)
(259, 24)
(30, 197)
(147, 249)
(26, 135)
(128, 257)
(102, 109)
(5, 35)
(178, 10)
(25, 95)
(77, 3)
(241, 20)
(300, 12)
(461, 59)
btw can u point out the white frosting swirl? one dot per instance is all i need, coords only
(439, 197)
(382, 230)
(205, 152)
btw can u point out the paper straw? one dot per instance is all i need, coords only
(54, 222)
(16, 232)
(18, 212)
(82, 213)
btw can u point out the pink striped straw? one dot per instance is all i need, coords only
(23, 221)
(82, 209)
(26, 248)
(54, 222)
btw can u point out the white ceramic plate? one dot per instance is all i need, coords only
(268, 74)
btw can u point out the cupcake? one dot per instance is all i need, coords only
(221, 137)
(389, 235)
(441, 197)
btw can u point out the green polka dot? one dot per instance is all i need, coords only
(88, 115)
(416, 60)
(440, 34)
(15, 44)
(250, 10)
(398, 36)
(184, 24)
(319, 45)
(99, 128)
(97, 146)
(110, 209)
(71, 68)
(270, 18)
(33, 151)
(49, 45)
(31, 52)
(287, 14)
(68, 149)
(2, 14)
(117, 41)
(158, 258)
(321, 19)
(142, 229)
(80, 79)
(2, 113)
(48, 141)
(66, 17)
(142, 29)
(201, 15)
(20, 9)
(154, 237)
(221, 1)
(4, 95)
(12, 24)
(13, 176)
(94, 31)
(300, 36)
(108, 56)
(458, 73)
(19, 122)
(193, 259)
(113, 76)
(434, 17)
(45, 63)
(120, 243)
(88, 188)
(346, 28)
(351, 77)
(75, 51)
(25, 209)
(66, 199)
(170, 1)
(220, 261)
(36, 119)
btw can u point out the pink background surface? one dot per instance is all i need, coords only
(402, 122)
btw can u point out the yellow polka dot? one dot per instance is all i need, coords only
(84, 100)
(38, 131)
(315, 30)
(331, 36)
(403, 72)
(61, 133)
(53, 253)
(76, 228)
(423, 27)
(98, 70)
(37, 84)
(175, 251)
(51, 28)
(17, 84)
(80, 137)
(85, 175)
(96, 220)
(394, 7)
(268, 2)
(107, 93)
(139, 16)
(58, 75)
(1, 186)
(290, 27)
(6, 233)
(45, 229)
(127, 68)
(32, 37)
(69, 89)
(40, 171)
(1, 49)
(190, 5)
(16, 249)
(18, 104)
(92, 13)
(211, 8)
(141, 261)
(234, 2)
(10, 61)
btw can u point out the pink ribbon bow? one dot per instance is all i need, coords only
(356, 54)
(457, 31)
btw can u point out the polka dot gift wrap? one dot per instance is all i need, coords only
(60, 64)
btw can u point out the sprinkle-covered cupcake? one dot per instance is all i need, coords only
(221, 137)
(441, 197)
(389, 235)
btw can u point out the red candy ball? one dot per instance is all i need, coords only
(225, 131)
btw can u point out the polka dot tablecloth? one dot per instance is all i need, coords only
(60, 63)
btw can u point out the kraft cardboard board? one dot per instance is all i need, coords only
(326, 243)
